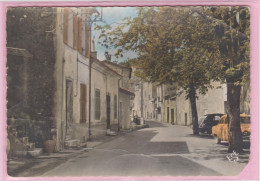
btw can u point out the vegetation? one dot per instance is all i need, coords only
(190, 46)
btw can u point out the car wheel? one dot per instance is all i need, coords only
(217, 140)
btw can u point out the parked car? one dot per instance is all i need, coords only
(207, 121)
(137, 120)
(220, 131)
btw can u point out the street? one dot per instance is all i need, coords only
(160, 150)
(129, 91)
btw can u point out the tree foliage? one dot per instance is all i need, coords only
(187, 45)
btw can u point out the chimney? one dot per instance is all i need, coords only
(108, 56)
(93, 54)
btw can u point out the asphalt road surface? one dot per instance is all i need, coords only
(160, 150)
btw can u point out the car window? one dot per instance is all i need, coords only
(222, 120)
(202, 119)
(245, 120)
(217, 118)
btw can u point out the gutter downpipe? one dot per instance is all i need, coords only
(90, 62)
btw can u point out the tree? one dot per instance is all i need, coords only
(233, 31)
(173, 44)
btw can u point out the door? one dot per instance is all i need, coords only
(83, 103)
(172, 116)
(168, 116)
(186, 119)
(123, 124)
(108, 111)
(69, 103)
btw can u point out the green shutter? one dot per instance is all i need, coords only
(97, 104)
(115, 108)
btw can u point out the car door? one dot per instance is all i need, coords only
(220, 128)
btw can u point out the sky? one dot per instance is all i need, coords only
(112, 16)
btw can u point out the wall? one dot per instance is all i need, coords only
(160, 103)
(212, 101)
(148, 105)
(171, 104)
(124, 110)
(30, 29)
(74, 66)
(124, 71)
(183, 107)
(124, 97)
(106, 82)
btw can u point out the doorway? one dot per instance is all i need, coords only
(108, 111)
(69, 103)
(186, 119)
(172, 116)
(168, 116)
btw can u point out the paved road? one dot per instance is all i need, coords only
(160, 150)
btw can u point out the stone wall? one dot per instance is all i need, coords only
(31, 29)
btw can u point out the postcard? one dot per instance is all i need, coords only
(155, 90)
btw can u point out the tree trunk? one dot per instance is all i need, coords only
(192, 97)
(233, 112)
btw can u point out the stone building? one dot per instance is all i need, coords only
(169, 103)
(144, 103)
(125, 95)
(149, 100)
(57, 88)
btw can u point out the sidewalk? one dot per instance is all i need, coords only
(25, 166)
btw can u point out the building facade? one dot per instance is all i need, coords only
(68, 95)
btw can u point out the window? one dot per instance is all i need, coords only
(83, 100)
(75, 32)
(168, 112)
(79, 35)
(115, 108)
(97, 104)
(245, 120)
(65, 25)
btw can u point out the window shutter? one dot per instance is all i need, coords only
(97, 104)
(115, 108)
(80, 36)
(75, 32)
(83, 100)
(65, 24)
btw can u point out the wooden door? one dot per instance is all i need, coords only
(83, 103)
(108, 111)
(172, 116)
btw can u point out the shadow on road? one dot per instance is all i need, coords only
(153, 124)
(204, 136)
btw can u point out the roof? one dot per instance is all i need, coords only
(135, 66)
(126, 91)
(108, 68)
(118, 65)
